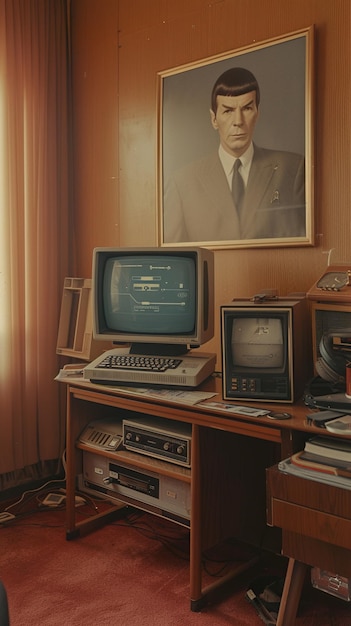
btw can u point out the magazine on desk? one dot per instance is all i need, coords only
(75, 375)
(310, 461)
(288, 466)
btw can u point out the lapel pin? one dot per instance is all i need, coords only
(275, 196)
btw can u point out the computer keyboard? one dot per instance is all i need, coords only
(122, 367)
(143, 363)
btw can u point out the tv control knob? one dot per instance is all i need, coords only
(180, 450)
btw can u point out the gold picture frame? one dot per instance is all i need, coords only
(192, 205)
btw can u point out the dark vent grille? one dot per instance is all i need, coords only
(99, 439)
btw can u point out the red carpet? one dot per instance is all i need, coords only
(123, 575)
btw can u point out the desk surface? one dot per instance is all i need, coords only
(205, 413)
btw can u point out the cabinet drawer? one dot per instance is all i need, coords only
(309, 508)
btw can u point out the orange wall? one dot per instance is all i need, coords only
(95, 128)
(118, 48)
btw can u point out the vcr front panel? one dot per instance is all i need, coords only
(164, 495)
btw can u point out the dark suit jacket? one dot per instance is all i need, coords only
(198, 205)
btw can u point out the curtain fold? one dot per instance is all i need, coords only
(34, 226)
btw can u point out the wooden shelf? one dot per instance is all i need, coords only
(142, 462)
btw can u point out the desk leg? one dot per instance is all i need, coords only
(196, 600)
(289, 603)
(70, 471)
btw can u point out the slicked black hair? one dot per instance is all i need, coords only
(234, 82)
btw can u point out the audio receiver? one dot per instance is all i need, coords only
(160, 438)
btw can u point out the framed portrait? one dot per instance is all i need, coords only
(246, 112)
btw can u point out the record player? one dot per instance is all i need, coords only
(322, 394)
(331, 339)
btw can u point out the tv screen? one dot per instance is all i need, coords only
(153, 296)
(258, 343)
(266, 350)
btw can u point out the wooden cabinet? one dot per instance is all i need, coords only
(316, 523)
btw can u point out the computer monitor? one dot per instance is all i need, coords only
(266, 350)
(156, 299)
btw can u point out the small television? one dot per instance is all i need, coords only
(266, 350)
(154, 301)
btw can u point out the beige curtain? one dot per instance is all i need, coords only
(34, 227)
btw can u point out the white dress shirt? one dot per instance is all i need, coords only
(228, 164)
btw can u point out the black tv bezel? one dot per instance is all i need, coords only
(229, 371)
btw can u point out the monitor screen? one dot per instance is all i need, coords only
(153, 296)
(259, 343)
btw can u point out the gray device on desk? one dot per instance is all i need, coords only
(321, 417)
(104, 434)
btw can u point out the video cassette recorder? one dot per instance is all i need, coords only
(166, 496)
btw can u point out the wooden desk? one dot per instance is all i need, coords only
(229, 455)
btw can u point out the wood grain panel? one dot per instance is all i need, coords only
(154, 36)
(310, 523)
(95, 129)
(308, 493)
(317, 553)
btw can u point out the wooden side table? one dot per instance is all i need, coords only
(316, 523)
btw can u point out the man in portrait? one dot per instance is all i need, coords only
(242, 191)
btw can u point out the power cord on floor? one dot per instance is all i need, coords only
(46, 499)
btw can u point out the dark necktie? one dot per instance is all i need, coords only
(238, 187)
